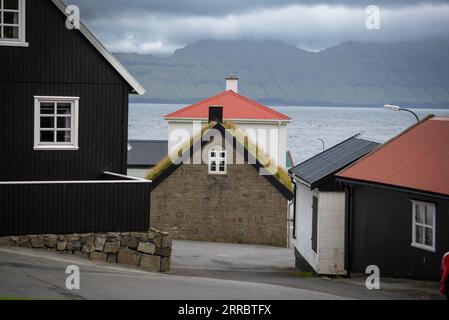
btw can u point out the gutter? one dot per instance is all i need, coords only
(346, 181)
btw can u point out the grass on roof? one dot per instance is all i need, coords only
(277, 171)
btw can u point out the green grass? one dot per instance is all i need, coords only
(277, 171)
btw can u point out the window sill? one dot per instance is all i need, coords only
(423, 247)
(14, 44)
(56, 148)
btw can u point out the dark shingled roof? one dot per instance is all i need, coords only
(320, 168)
(146, 153)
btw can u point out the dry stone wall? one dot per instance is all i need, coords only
(150, 250)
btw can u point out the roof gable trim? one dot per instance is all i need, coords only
(134, 84)
(247, 155)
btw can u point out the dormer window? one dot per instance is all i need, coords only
(12, 23)
(217, 161)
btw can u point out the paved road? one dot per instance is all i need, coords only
(269, 265)
(26, 273)
(199, 271)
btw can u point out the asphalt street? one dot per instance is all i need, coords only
(200, 271)
(27, 274)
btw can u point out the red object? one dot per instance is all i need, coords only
(445, 275)
(417, 159)
(235, 106)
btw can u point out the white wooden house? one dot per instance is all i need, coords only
(319, 207)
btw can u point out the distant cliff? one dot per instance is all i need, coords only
(349, 74)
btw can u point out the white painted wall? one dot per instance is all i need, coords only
(329, 258)
(303, 241)
(277, 152)
(331, 233)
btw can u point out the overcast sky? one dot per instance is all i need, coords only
(161, 26)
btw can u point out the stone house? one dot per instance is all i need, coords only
(216, 191)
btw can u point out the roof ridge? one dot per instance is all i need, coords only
(223, 93)
(382, 146)
(194, 105)
(197, 137)
(327, 150)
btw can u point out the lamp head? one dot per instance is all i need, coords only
(392, 107)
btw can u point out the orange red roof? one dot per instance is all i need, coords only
(235, 106)
(417, 159)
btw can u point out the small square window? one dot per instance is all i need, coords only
(12, 23)
(56, 123)
(423, 232)
(217, 162)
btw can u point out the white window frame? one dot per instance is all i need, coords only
(217, 159)
(73, 145)
(21, 41)
(428, 206)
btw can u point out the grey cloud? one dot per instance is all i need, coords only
(102, 8)
(160, 27)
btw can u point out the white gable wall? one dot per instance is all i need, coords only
(279, 150)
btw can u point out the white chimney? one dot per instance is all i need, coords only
(232, 83)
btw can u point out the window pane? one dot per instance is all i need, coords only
(222, 166)
(11, 17)
(63, 136)
(64, 108)
(11, 4)
(10, 32)
(429, 237)
(419, 234)
(47, 123)
(429, 216)
(64, 122)
(213, 166)
(419, 217)
(223, 155)
(212, 154)
(47, 108)
(47, 136)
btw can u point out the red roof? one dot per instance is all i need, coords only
(235, 106)
(417, 159)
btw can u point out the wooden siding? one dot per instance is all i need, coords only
(74, 208)
(381, 233)
(60, 62)
(55, 53)
(102, 134)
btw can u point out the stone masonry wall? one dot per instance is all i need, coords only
(239, 207)
(150, 251)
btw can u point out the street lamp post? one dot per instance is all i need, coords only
(397, 108)
(324, 145)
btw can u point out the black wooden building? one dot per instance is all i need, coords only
(398, 204)
(63, 127)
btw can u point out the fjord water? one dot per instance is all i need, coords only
(332, 124)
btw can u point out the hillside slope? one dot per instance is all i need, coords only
(349, 74)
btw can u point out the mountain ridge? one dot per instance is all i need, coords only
(413, 74)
